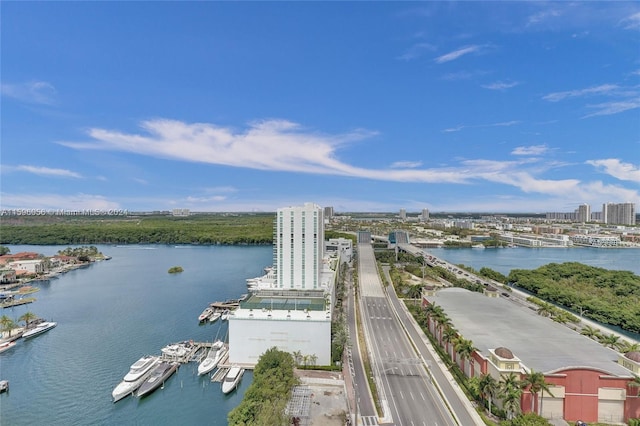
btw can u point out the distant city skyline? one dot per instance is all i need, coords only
(523, 107)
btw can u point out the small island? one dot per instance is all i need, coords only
(175, 269)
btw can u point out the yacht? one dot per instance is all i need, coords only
(138, 373)
(177, 350)
(215, 316)
(6, 345)
(215, 354)
(40, 328)
(232, 379)
(205, 314)
(225, 315)
(159, 374)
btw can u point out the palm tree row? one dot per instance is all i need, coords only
(508, 389)
(611, 340)
(8, 325)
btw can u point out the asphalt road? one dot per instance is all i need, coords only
(407, 395)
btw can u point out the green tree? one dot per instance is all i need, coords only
(510, 394)
(535, 382)
(414, 292)
(465, 349)
(27, 317)
(7, 324)
(590, 332)
(609, 340)
(4, 250)
(489, 388)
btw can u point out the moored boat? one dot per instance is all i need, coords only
(232, 379)
(213, 358)
(138, 373)
(225, 315)
(177, 350)
(4, 386)
(7, 345)
(215, 316)
(205, 314)
(159, 374)
(39, 329)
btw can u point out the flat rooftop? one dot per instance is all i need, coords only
(286, 300)
(540, 343)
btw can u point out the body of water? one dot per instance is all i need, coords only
(109, 315)
(113, 312)
(504, 260)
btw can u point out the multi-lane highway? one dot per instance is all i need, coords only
(405, 390)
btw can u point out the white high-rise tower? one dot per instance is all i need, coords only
(299, 246)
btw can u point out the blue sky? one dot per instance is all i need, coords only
(363, 106)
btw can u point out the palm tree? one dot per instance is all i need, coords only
(510, 392)
(448, 336)
(546, 309)
(625, 347)
(297, 357)
(590, 332)
(7, 324)
(27, 317)
(488, 388)
(535, 382)
(609, 340)
(414, 292)
(464, 348)
(511, 402)
(313, 359)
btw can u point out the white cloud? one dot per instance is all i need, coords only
(617, 169)
(632, 22)
(35, 92)
(451, 56)
(42, 171)
(530, 150)
(406, 164)
(278, 145)
(500, 85)
(500, 124)
(48, 201)
(604, 89)
(614, 107)
(542, 16)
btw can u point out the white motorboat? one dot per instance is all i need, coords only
(205, 314)
(6, 345)
(213, 358)
(177, 350)
(232, 379)
(225, 315)
(39, 329)
(138, 373)
(215, 316)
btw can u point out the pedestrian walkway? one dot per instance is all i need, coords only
(369, 420)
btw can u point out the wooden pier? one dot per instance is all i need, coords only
(16, 302)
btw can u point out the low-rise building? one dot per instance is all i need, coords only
(587, 381)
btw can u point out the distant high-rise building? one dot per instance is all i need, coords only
(180, 212)
(328, 213)
(403, 214)
(619, 214)
(425, 215)
(583, 213)
(299, 246)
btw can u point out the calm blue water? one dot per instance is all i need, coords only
(109, 315)
(505, 259)
(113, 312)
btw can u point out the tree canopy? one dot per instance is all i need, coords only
(608, 296)
(265, 400)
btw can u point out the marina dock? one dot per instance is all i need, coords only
(17, 302)
(197, 352)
